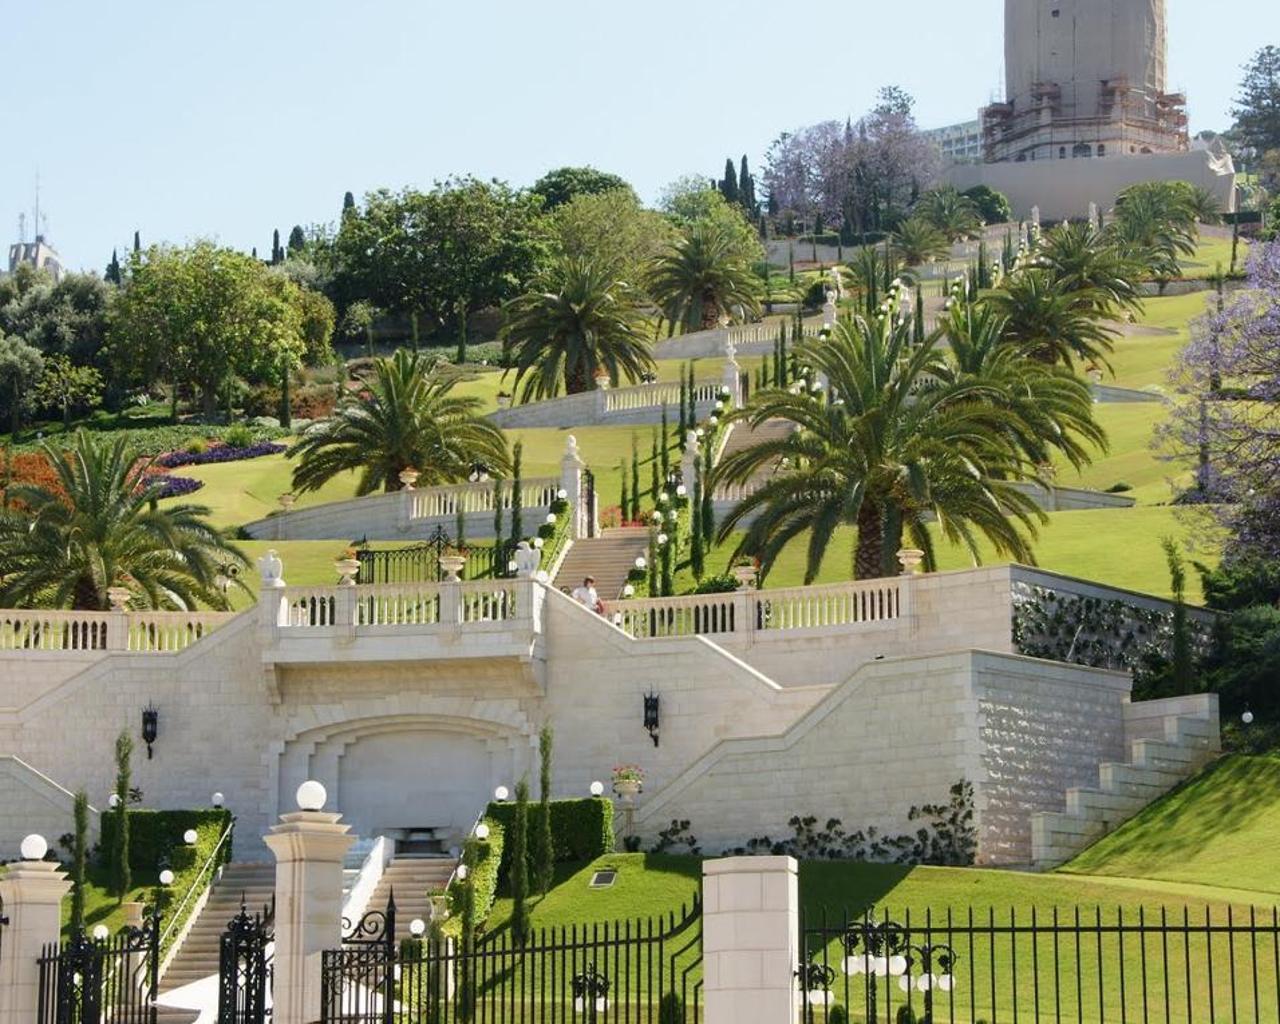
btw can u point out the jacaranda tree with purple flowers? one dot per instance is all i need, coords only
(1227, 415)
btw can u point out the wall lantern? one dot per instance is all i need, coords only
(651, 716)
(150, 726)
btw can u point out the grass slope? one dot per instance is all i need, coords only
(1220, 828)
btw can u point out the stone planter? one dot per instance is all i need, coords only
(628, 789)
(409, 477)
(133, 913)
(746, 575)
(910, 559)
(451, 565)
(119, 598)
(348, 569)
(286, 502)
(504, 401)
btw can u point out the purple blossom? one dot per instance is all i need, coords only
(222, 453)
(173, 486)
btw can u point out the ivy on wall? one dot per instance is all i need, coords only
(1098, 632)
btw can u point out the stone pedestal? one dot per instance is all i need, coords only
(750, 940)
(32, 893)
(309, 847)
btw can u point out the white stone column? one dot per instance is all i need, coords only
(571, 467)
(750, 940)
(689, 463)
(32, 893)
(309, 848)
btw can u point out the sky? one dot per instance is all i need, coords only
(188, 118)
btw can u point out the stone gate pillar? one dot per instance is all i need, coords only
(750, 940)
(31, 893)
(571, 471)
(309, 846)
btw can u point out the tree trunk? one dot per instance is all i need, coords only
(868, 557)
(710, 311)
(84, 598)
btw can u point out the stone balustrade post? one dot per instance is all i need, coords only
(309, 847)
(750, 940)
(32, 893)
(450, 601)
(571, 469)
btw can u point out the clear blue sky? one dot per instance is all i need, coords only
(187, 118)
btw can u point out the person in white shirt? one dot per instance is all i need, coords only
(587, 595)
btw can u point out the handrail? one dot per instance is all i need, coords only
(176, 916)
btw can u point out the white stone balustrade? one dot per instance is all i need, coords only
(750, 612)
(40, 630)
(657, 395)
(431, 502)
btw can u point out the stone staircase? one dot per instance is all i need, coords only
(1156, 765)
(413, 880)
(743, 435)
(198, 955)
(608, 558)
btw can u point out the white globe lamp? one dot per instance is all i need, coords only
(113, 801)
(189, 837)
(482, 831)
(100, 933)
(462, 872)
(166, 877)
(501, 793)
(597, 788)
(33, 847)
(216, 799)
(417, 927)
(311, 796)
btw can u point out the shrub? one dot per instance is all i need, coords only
(154, 836)
(580, 829)
(486, 866)
(1119, 488)
(238, 436)
(722, 584)
(196, 446)
(837, 1015)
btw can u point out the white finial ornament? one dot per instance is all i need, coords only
(271, 568)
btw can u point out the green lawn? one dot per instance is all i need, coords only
(1211, 255)
(100, 907)
(1222, 827)
(1130, 459)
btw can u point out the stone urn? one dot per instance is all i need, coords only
(628, 789)
(602, 381)
(746, 575)
(451, 565)
(504, 401)
(910, 559)
(133, 914)
(348, 569)
(286, 501)
(409, 477)
(119, 598)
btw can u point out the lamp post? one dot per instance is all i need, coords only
(887, 951)
(590, 992)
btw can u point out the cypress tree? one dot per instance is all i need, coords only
(697, 554)
(113, 269)
(654, 591)
(919, 327)
(517, 454)
(684, 412)
(79, 860)
(544, 847)
(791, 262)
(654, 463)
(782, 372)
(137, 242)
(635, 480)
(625, 506)
(666, 448)
(286, 401)
(518, 872)
(275, 247)
(668, 581)
(121, 873)
(747, 188)
(729, 183)
(348, 202)
(497, 511)
(297, 240)
(708, 511)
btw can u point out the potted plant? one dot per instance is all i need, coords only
(628, 781)
(504, 400)
(746, 570)
(348, 567)
(452, 561)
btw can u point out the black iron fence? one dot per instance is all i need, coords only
(1044, 966)
(92, 981)
(643, 970)
(245, 967)
(420, 563)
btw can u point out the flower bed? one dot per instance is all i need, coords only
(174, 486)
(220, 453)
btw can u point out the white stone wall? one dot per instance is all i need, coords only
(32, 802)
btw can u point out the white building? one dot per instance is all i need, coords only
(39, 254)
(959, 143)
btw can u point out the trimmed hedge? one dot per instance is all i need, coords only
(485, 872)
(581, 829)
(157, 835)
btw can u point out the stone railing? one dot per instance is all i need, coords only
(35, 630)
(432, 502)
(752, 612)
(409, 605)
(640, 404)
(655, 396)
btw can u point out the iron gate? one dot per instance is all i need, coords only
(87, 981)
(244, 968)
(420, 563)
(646, 969)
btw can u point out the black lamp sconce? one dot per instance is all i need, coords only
(150, 726)
(651, 716)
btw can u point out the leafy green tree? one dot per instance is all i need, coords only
(611, 229)
(102, 526)
(565, 184)
(121, 870)
(66, 387)
(67, 317)
(404, 418)
(917, 242)
(899, 445)
(201, 316)
(578, 321)
(518, 872)
(1049, 322)
(79, 858)
(544, 854)
(20, 367)
(993, 207)
(297, 241)
(358, 321)
(705, 275)
(1257, 109)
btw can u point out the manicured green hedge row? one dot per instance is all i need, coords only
(486, 863)
(580, 829)
(157, 835)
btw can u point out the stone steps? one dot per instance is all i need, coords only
(197, 957)
(1155, 766)
(609, 558)
(413, 880)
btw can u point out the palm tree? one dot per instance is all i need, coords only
(903, 441)
(579, 320)
(101, 526)
(954, 215)
(1155, 223)
(1080, 257)
(1052, 323)
(405, 418)
(917, 242)
(704, 275)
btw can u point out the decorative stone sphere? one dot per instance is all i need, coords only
(311, 796)
(34, 847)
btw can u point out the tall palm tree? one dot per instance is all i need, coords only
(578, 320)
(1155, 222)
(1080, 257)
(102, 526)
(902, 441)
(704, 275)
(405, 418)
(954, 215)
(1052, 323)
(917, 242)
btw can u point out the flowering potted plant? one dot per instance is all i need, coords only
(348, 567)
(746, 570)
(628, 781)
(452, 561)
